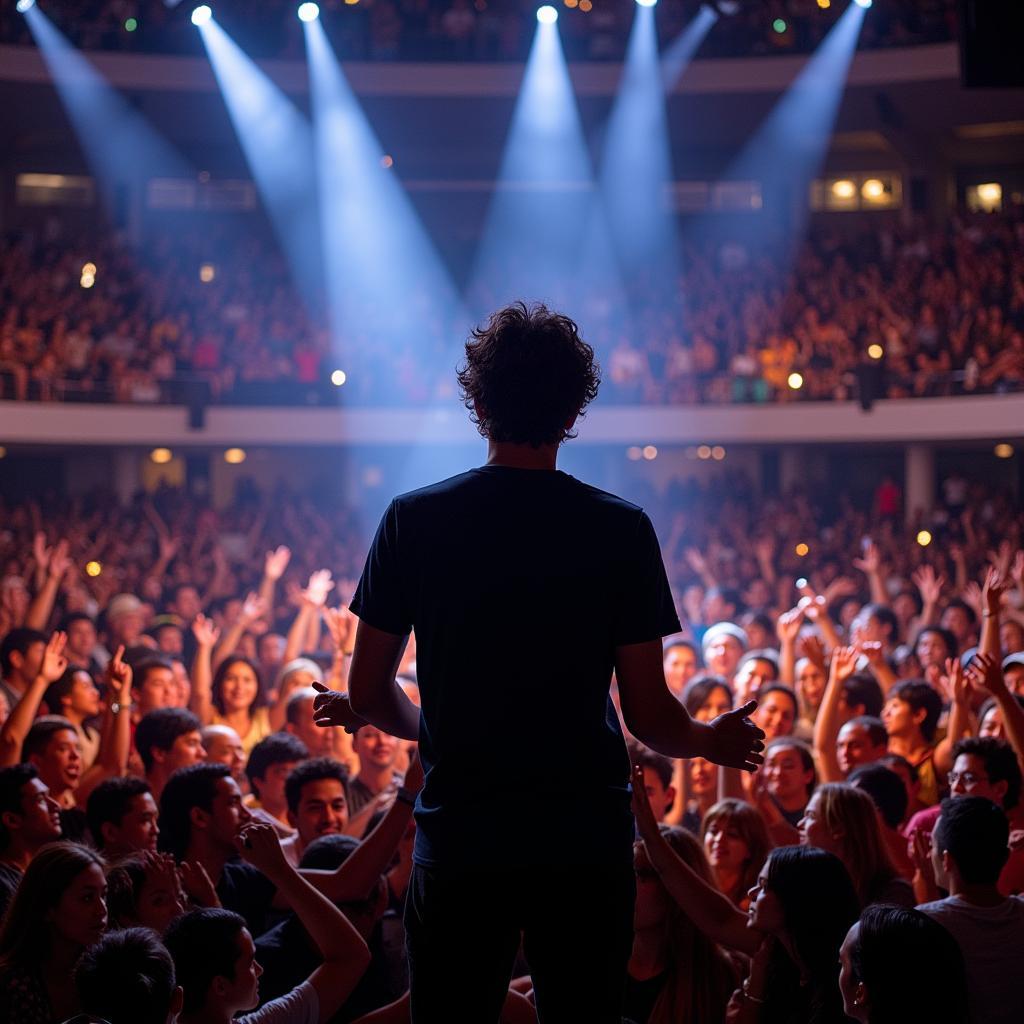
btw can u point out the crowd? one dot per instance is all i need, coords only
(179, 836)
(478, 29)
(902, 311)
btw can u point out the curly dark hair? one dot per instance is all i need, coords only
(526, 375)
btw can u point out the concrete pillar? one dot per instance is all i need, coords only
(918, 481)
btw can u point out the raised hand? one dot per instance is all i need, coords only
(205, 632)
(986, 673)
(696, 561)
(787, 628)
(811, 648)
(340, 624)
(973, 596)
(54, 663)
(993, 590)
(844, 664)
(841, 586)
(59, 561)
(735, 741)
(929, 584)
(119, 673)
(276, 562)
(258, 843)
(197, 885)
(871, 561)
(319, 586)
(873, 651)
(168, 547)
(253, 608)
(331, 708)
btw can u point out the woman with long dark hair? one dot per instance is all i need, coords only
(676, 974)
(887, 947)
(792, 933)
(58, 910)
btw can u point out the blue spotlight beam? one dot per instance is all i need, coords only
(119, 143)
(535, 229)
(679, 53)
(636, 167)
(386, 283)
(278, 146)
(789, 147)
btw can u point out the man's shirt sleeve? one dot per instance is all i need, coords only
(646, 610)
(379, 598)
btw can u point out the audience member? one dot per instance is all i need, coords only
(29, 819)
(270, 763)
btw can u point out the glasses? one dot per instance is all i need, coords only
(967, 778)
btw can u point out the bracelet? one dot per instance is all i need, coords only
(745, 989)
(406, 796)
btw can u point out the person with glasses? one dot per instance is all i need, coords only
(982, 766)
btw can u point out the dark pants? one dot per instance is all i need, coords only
(463, 930)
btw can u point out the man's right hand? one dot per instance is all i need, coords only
(734, 741)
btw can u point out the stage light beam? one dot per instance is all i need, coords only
(24, 5)
(308, 12)
(547, 15)
(202, 15)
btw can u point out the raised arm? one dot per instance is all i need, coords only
(355, 879)
(201, 701)
(253, 608)
(660, 722)
(991, 605)
(57, 564)
(827, 724)
(870, 563)
(116, 730)
(929, 585)
(986, 672)
(314, 598)
(345, 954)
(274, 565)
(787, 629)
(711, 911)
(959, 724)
(23, 714)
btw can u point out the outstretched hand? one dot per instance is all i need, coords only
(331, 708)
(735, 741)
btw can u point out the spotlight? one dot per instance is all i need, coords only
(780, 26)
(201, 15)
(875, 351)
(649, 452)
(161, 456)
(234, 456)
(547, 15)
(844, 189)
(1003, 451)
(718, 453)
(93, 569)
(308, 12)
(802, 550)
(924, 537)
(863, 3)
(634, 453)
(25, 5)
(795, 381)
(338, 378)
(704, 451)
(646, 3)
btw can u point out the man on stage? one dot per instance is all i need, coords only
(526, 589)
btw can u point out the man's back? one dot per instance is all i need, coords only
(991, 939)
(520, 583)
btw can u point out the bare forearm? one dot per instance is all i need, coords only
(297, 634)
(391, 711)
(711, 911)
(18, 723)
(39, 611)
(988, 642)
(357, 876)
(826, 731)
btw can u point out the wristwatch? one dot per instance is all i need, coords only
(116, 707)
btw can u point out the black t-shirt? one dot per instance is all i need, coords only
(247, 891)
(520, 584)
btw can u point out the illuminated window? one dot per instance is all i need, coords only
(54, 190)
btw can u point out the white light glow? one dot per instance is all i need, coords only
(547, 15)
(201, 15)
(308, 12)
